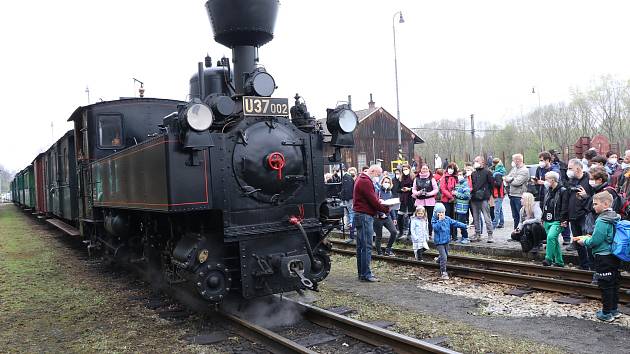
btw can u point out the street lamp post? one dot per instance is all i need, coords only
(400, 20)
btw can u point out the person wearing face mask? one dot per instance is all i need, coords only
(613, 168)
(447, 184)
(517, 179)
(407, 207)
(480, 195)
(424, 190)
(544, 166)
(599, 183)
(385, 219)
(579, 190)
(366, 206)
(396, 184)
(555, 217)
(347, 187)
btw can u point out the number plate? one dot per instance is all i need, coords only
(265, 106)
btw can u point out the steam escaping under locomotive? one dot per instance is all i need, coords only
(222, 194)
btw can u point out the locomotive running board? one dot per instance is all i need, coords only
(68, 229)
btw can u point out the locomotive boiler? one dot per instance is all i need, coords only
(222, 195)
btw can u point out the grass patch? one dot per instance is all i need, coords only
(51, 301)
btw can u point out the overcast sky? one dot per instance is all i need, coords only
(454, 57)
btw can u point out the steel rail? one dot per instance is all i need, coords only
(273, 342)
(578, 275)
(527, 281)
(368, 333)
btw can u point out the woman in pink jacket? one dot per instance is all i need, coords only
(447, 187)
(425, 188)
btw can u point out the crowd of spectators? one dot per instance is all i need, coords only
(558, 205)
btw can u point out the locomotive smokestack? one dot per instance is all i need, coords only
(243, 26)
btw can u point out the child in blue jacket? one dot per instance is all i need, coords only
(442, 234)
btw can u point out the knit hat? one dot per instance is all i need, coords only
(439, 208)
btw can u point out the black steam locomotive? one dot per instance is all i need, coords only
(223, 194)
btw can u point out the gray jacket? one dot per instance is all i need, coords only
(518, 179)
(526, 219)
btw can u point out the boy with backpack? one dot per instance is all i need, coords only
(606, 263)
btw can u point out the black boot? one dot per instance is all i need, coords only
(419, 254)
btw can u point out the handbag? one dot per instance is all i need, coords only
(479, 195)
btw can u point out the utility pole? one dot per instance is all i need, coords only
(87, 90)
(472, 132)
(373, 147)
(52, 133)
(542, 143)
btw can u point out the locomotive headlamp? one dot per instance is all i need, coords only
(199, 116)
(341, 122)
(347, 120)
(260, 83)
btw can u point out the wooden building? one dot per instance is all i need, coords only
(376, 140)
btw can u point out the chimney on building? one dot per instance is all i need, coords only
(371, 104)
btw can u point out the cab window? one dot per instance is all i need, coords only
(110, 131)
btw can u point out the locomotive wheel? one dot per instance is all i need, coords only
(320, 271)
(213, 281)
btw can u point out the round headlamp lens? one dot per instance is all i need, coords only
(347, 121)
(199, 117)
(263, 84)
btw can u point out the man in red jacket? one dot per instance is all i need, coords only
(366, 205)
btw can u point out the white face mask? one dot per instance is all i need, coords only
(547, 184)
(625, 165)
(386, 185)
(592, 183)
(513, 164)
(542, 164)
(406, 172)
(477, 165)
(612, 161)
(375, 179)
(449, 171)
(460, 178)
(468, 172)
(570, 174)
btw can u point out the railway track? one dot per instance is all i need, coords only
(361, 331)
(563, 280)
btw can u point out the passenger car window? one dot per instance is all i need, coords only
(110, 131)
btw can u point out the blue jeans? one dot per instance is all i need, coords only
(364, 225)
(349, 216)
(499, 220)
(515, 205)
(443, 251)
(463, 218)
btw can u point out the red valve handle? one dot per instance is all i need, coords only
(276, 162)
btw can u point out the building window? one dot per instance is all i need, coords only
(110, 131)
(362, 160)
